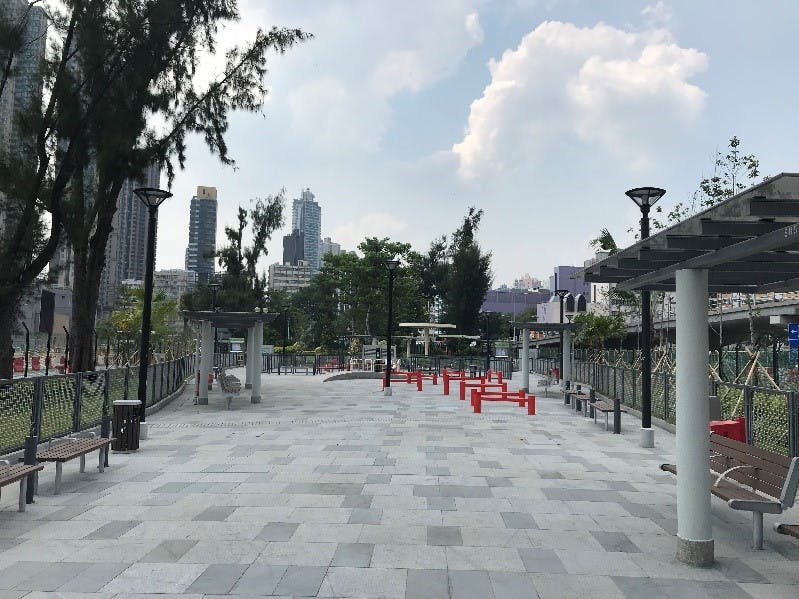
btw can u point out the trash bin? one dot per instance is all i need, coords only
(125, 427)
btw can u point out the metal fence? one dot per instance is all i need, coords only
(54, 406)
(772, 415)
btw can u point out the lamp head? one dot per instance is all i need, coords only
(151, 196)
(391, 265)
(645, 196)
(561, 293)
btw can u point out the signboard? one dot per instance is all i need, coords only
(793, 343)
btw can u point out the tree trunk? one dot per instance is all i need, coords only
(8, 309)
(85, 296)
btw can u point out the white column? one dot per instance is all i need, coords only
(408, 347)
(694, 532)
(525, 361)
(426, 341)
(566, 375)
(257, 341)
(250, 353)
(206, 361)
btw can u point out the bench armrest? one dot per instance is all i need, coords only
(724, 474)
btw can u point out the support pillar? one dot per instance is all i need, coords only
(694, 531)
(250, 354)
(257, 341)
(408, 348)
(206, 360)
(525, 365)
(426, 341)
(566, 373)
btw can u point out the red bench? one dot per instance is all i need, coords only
(478, 397)
(494, 374)
(452, 375)
(405, 377)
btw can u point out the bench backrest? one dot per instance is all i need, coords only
(766, 472)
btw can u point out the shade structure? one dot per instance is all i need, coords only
(748, 243)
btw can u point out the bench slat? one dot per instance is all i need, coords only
(15, 473)
(792, 530)
(69, 450)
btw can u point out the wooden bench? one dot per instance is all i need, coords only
(229, 384)
(17, 473)
(750, 479)
(606, 407)
(792, 530)
(71, 448)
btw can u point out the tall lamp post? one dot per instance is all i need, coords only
(645, 198)
(561, 293)
(391, 266)
(486, 327)
(152, 198)
(214, 288)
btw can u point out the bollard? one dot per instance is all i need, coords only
(591, 400)
(435, 378)
(474, 394)
(419, 382)
(499, 376)
(521, 398)
(531, 405)
(462, 394)
(616, 416)
(446, 384)
(477, 404)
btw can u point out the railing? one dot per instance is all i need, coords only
(473, 364)
(48, 407)
(772, 415)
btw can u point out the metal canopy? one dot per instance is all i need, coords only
(748, 243)
(229, 320)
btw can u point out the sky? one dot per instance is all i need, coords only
(399, 116)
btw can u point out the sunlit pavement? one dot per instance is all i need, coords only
(333, 490)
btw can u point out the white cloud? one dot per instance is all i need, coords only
(658, 14)
(566, 87)
(375, 224)
(473, 27)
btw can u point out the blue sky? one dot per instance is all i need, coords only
(401, 115)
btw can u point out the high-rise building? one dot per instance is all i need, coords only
(174, 282)
(293, 247)
(306, 217)
(126, 251)
(289, 277)
(202, 234)
(23, 88)
(329, 247)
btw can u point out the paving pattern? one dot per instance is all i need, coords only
(333, 490)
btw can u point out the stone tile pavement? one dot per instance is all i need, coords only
(333, 490)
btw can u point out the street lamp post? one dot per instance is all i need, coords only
(645, 198)
(391, 266)
(561, 293)
(152, 198)
(214, 287)
(486, 328)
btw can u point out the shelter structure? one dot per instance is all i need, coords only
(567, 328)
(253, 322)
(426, 327)
(748, 243)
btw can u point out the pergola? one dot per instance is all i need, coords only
(567, 328)
(253, 322)
(748, 243)
(426, 326)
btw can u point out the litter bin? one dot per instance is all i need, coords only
(125, 425)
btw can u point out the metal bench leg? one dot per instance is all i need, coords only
(757, 526)
(23, 493)
(58, 468)
(83, 463)
(606, 420)
(101, 464)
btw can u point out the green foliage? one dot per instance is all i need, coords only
(598, 328)
(604, 242)
(125, 321)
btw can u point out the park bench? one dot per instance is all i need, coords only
(606, 407)
(750, 479)
(792, 530)
(17, 473)
(518, 397)
(479, 384)
(71, 448)
(230, 385)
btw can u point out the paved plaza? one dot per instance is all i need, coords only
(330, 489)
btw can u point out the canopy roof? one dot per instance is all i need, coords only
(427, 325)
(548, 327)
(748, 243)
(229, 320)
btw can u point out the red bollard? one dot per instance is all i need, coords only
(499, 376)
(435, 378)
(531, 405)
(446, 384)
(477, 404)
(462, 395)
(419, 382)
(521, 399)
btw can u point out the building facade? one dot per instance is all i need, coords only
(293, 247)
(290, 277)
(202, 234)
(174, 282)
(306, 217)
(329, 247)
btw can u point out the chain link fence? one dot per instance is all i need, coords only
(54, 406)
(772, 415)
